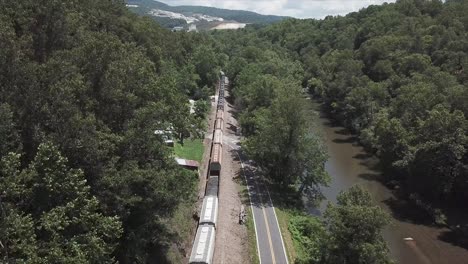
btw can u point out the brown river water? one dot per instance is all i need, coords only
(348, 165)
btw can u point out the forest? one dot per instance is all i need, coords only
(84, 84)
(396, 75)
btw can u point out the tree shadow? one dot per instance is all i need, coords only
(350, 139)
(257, 189)
(363, 156)
(232, 127)
(329, 122)
(404, 211)
(234, 113)
(457, 236)
(371, 177)
(343, 131)
(373, 165)
(229, 99)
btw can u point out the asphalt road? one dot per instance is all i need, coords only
(270, 245)
(269, 240)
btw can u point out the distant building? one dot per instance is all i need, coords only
(192, 27)
(175, 29)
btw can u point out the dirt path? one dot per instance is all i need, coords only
(231, 238)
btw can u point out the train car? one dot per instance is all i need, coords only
(209, 212)
(220, 115)
(219, 123)
(212, 186)
(221, 99)
(216, 158)
(218, 137)
(203, 245)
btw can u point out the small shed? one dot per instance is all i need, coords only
(189, 164)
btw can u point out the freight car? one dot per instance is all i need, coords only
(209, 212)
(212, 186)
(203, 246)
(215, 164)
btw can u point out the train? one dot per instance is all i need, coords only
(203, 246)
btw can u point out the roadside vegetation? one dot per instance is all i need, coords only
(349, 232)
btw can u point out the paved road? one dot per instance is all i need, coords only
(270, 243)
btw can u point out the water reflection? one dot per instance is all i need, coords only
(348, 165)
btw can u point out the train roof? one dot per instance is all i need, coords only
(218, 137)
(203, 246)
(212, 186)
(209, 212)
(216, 156)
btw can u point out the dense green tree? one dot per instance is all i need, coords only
(296, 155)
(50, 215)
(407, 62)
(8, 131)
(355, 227)
(311, 237)
(96, 81)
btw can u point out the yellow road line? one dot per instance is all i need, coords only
(269, 237)
(273, 259)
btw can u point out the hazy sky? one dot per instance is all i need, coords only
(294, 8)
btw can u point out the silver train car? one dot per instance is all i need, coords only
(203, 246)
(209, 212)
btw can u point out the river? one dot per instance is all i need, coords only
(349, 164)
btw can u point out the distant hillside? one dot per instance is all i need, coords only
(145, 7)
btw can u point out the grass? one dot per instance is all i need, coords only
(192, 149)
(252, 237)
(182, 225)
(283, 221)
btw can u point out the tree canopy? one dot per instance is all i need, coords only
(83, 87)
(388, 73)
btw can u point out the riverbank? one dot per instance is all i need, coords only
(348, 165)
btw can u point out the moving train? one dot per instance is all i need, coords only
(203, 245)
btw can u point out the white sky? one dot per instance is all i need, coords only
(293, 8)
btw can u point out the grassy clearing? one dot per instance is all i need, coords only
(192, 149)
